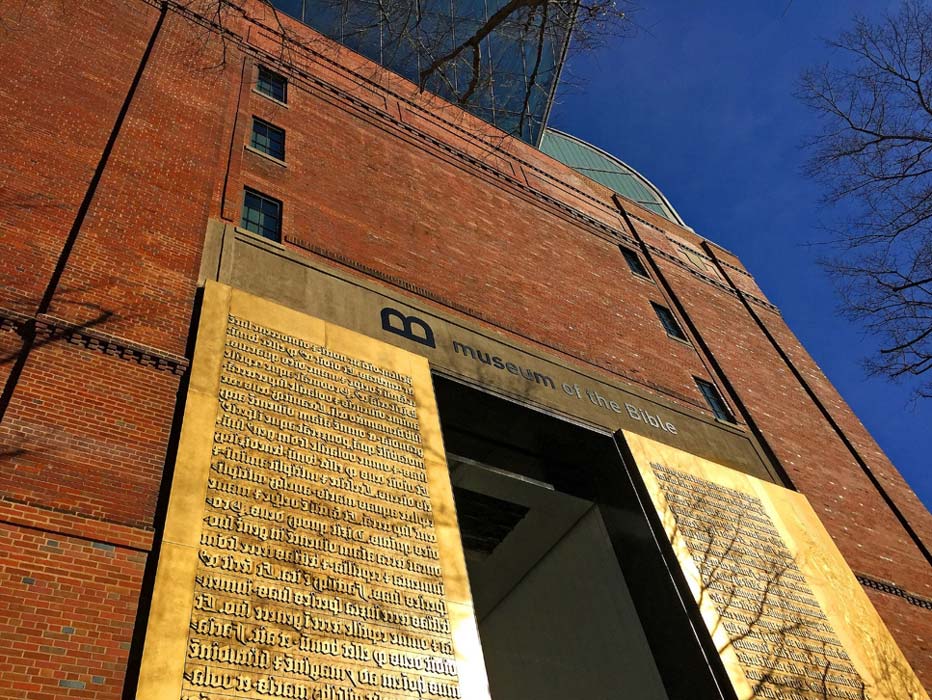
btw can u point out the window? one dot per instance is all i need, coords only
(267, 138)
(669, 322)
(634, 262)
(272, 85)
(696, 259)
(262, 215)
(715, 400)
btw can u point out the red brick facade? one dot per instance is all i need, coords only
(124, 126)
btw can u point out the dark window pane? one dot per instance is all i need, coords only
(268, 139)
(634, 262)
(272, 84)
(669, 322)
(715, 400)
(262, 215)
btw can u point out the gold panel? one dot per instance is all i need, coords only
(786, 614)
(311, 548)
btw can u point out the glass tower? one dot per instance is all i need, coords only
(500, 64)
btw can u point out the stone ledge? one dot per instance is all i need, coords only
(891, 588)
(48, 328)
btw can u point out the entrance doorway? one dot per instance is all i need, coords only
(555, 616)
(577, 592)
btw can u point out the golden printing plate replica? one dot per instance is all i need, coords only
(786, 614)
(311, 548)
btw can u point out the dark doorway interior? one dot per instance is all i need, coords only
(574, 595)
(555, 617)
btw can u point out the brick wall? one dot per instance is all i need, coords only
(376, 173)
(69, 608)
(91, 372)
(86, 433)
(64, 80)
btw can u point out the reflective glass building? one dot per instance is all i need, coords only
(504, 72)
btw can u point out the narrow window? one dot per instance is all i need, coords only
(262, 215)
(695, 259)
(267, 138)
(634, 262)
(715, 400)
(669, 322)
(272, 85)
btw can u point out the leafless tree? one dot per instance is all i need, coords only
(471, 56)
(873, 151)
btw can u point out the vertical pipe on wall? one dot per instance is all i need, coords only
(819, 404)
(707, 355)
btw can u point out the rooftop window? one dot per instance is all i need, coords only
(267, 138)
(715, 400)
(634, 262)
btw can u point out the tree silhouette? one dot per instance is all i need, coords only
(873, 152)
(498, 59)
(764, 611)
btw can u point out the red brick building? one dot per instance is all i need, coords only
(128, 151)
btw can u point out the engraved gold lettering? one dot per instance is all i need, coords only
(318, 571)
(776, 627)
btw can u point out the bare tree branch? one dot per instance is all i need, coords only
(493, 64)
(873, 154)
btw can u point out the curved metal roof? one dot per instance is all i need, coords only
(608, 170)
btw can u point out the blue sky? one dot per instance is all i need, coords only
(701, 102)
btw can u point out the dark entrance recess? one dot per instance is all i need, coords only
(577, 591)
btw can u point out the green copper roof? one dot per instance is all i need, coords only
(608, 170)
